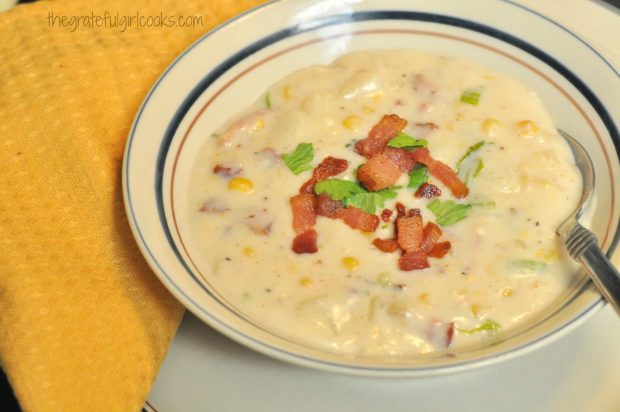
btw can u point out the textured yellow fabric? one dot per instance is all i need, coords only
(84, 324)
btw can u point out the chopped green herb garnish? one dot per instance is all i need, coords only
(407, 142)
(338, 189)
(470, 166)
(299, 160)
(351, 143)
(448, 212)
(352, 194)
(471, 150)
(527, 266)
(417, 176)
(471, 96)
(369, 201)
(268, 101)
(488, 326)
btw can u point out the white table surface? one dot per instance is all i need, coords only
(580, 372)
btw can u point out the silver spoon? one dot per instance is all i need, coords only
(580, 242)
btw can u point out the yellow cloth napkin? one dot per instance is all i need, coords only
(84, 324)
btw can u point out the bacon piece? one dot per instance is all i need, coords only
(410, 233)
(386, 245)
(440, 249)
(441, 333)
(413, 260)
(427, 191)
(430, 235)
(386, 215)
(358, 219)
(441, 171)
(304, 212)
(401, 157)
(379, 172)
(380, 135)
(330, 166)
(326, 206)
(305, 242)
(227, 171)
(400, 210)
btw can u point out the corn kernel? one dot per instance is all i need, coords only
(368, 109)
(248, 251)
(241, 184)
(397, 309)
(507, 292)
(377, 97)
(526, 128)
(351, 122)
(350, 263)
(547, 254)
(260, 124)
(287, 92)
(479, 310)
(305, 282)
(424, 298)
(491, 127)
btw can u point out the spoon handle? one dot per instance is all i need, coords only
(603, 274)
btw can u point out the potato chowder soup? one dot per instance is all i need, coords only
(393, 203)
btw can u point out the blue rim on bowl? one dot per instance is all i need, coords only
(157, 231)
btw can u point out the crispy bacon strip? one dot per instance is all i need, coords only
(328, 207)
(401, 157)
(330, 166)
(427, 191)
(380, 135)
(386, 215)
(386, 245)
(430, 235)
(413, 261)
(304, 212)
(441, 171)
(400, 210)
(305, 242)
(440, 250)
(379, 172)
(410, 233)
(358, 219)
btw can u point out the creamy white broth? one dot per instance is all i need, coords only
(505, 265)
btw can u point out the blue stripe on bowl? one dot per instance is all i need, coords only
(313, 25)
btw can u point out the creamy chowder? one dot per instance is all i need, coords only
(474, 157)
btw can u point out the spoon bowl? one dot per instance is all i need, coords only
(580, 242)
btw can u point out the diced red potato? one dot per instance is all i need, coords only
(441, 171)
(269, 156)
(330, 166)
(305, 242)
(226, 138)
(304, 212)
(440, 250)
(259, 226)
(430, 235)
(227, 170)
(386, 245)
(358, 219)
(380, 135)
(421, 130)
(413, 261)
(427, 191)
(423, 86)
(441, 333)
(328, 207)
(409, 233)
(214, 205)
(379, 172)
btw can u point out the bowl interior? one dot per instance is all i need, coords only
(229, 69)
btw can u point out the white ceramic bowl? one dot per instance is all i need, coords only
(230, 67)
